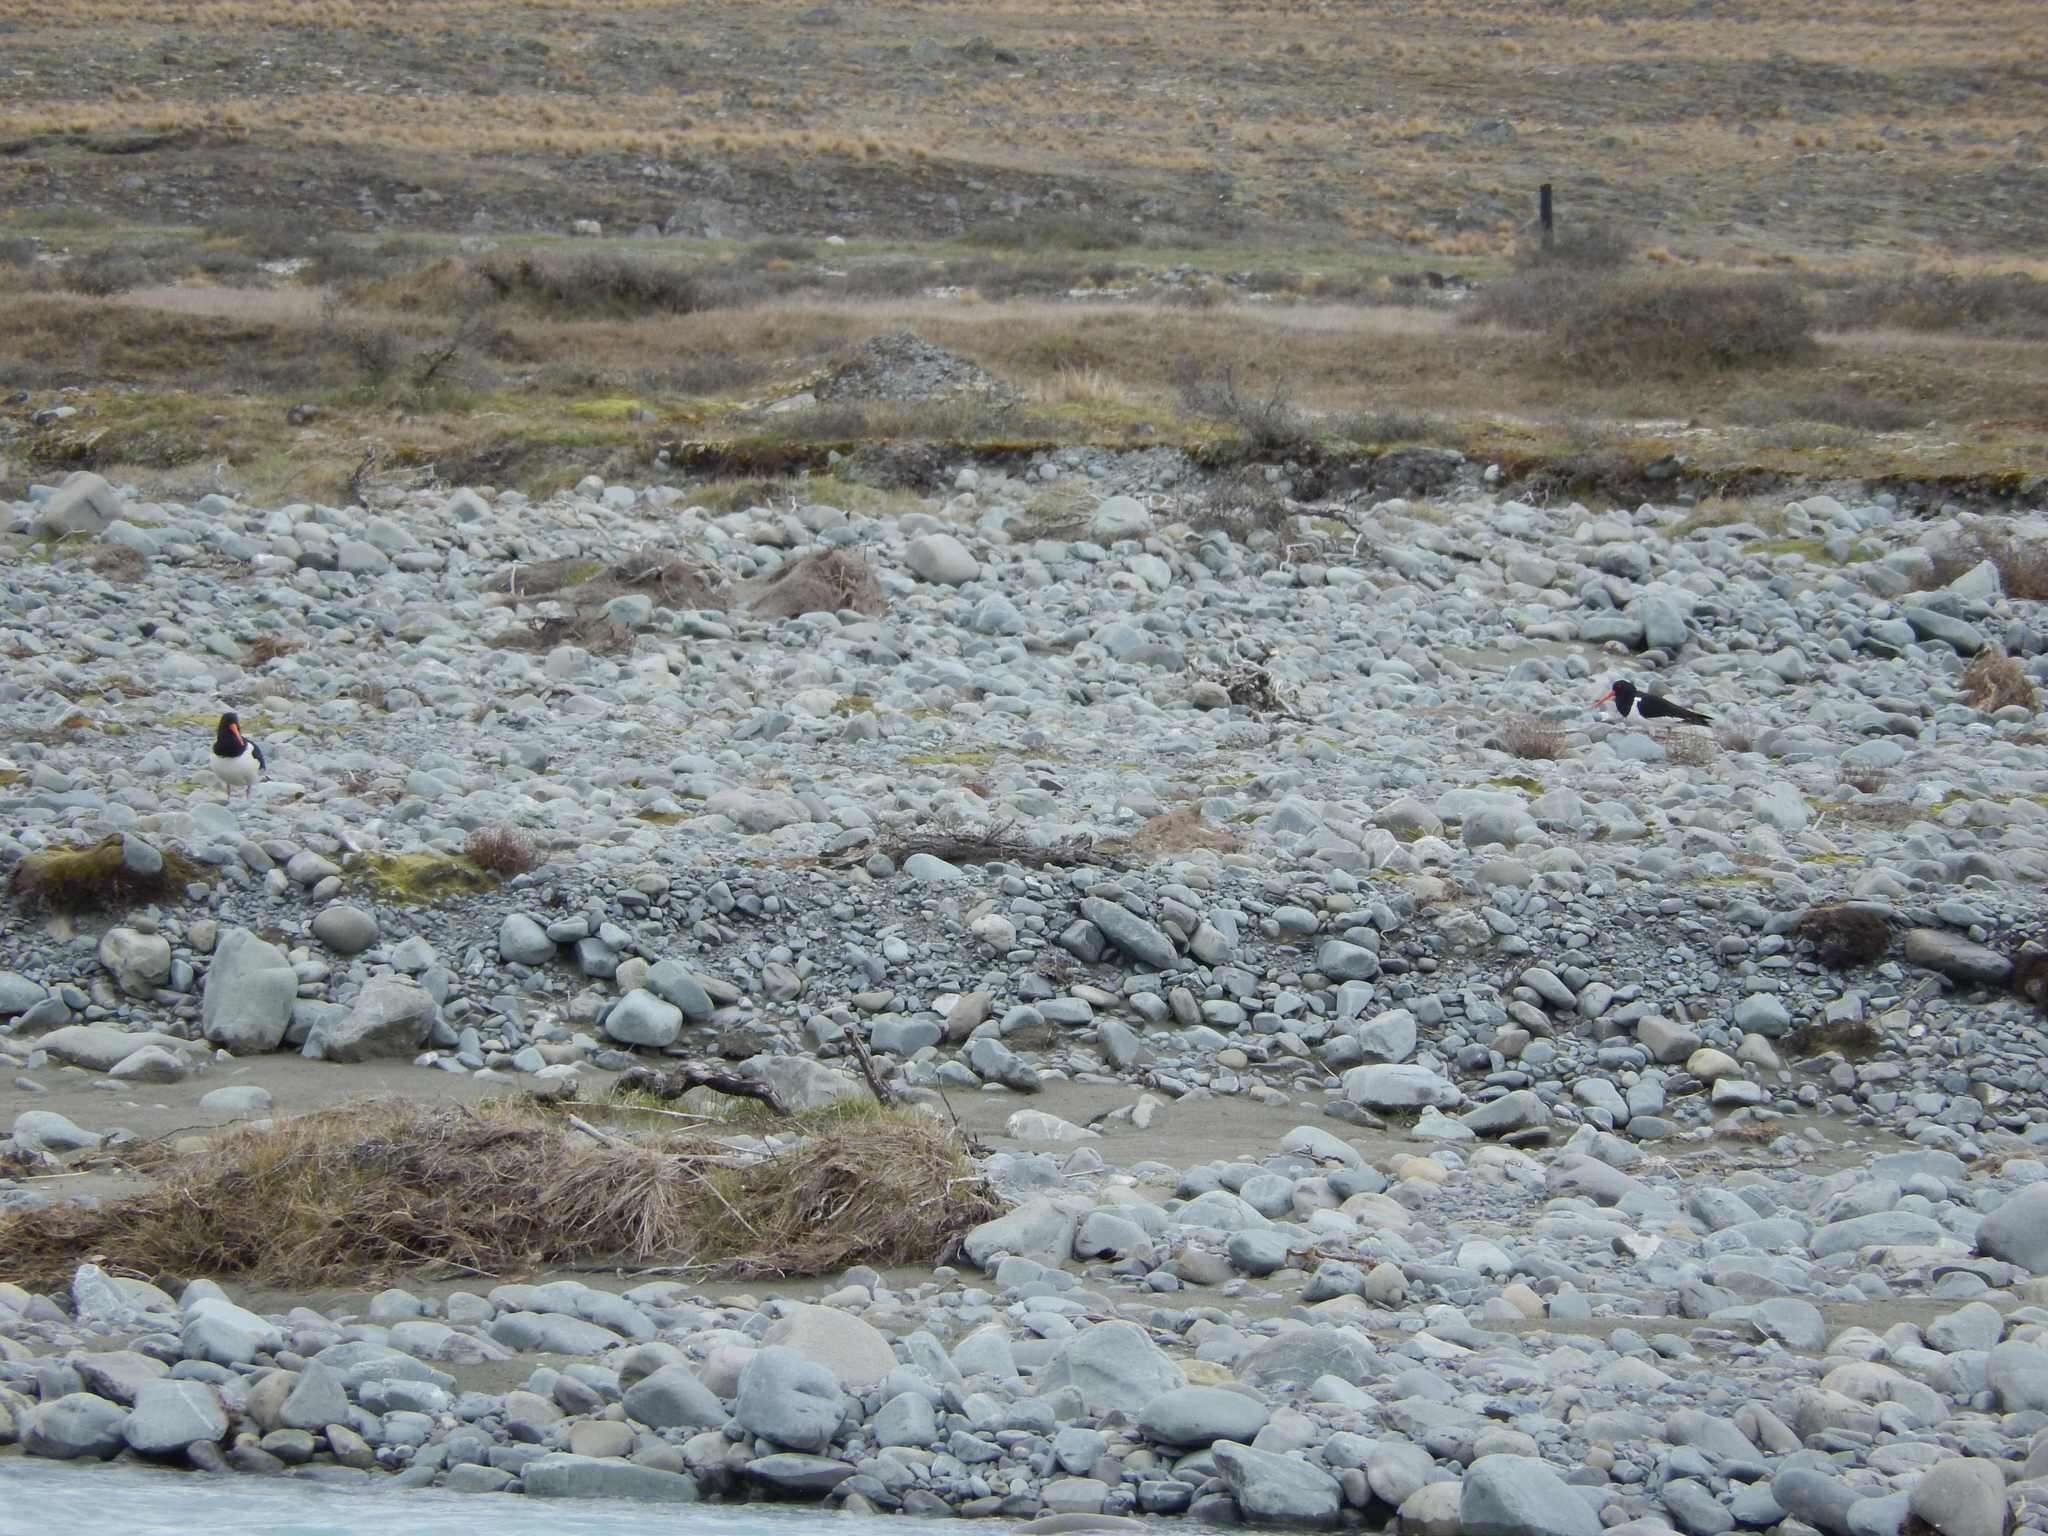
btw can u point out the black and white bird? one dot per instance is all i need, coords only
(1647, 706)
(236, 759)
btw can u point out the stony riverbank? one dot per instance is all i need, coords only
(1535, 1035)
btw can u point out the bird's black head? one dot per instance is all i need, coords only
(228, 738)
(1623, 693)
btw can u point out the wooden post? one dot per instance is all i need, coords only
(1543, 213)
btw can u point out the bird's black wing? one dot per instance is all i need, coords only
(1657, 707)
(260, 763)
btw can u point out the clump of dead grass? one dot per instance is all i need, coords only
(1856, 1039)
(371, 1190)
(1181, 830)
(96, 877)
(1526, 736)
(2030, 973)
(117, 562)
(502, 850)
(267, 648)
(832, 582)
(1735, 736)
(1844, 934)
(1994, 681)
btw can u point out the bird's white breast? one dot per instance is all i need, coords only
(237, 771)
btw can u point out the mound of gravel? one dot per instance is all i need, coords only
(903, 366)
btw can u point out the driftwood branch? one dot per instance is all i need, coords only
(883, 1093)
(677, 1081)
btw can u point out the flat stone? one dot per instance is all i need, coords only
(1505, 1495)
(561, 1475)
(1186, 1416)
(1281, 1490)
(170, 1415)
(1956, 957)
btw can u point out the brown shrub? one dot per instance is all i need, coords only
(1526, 736)
(601, 283)
(1268, 423)
(1845, 935)
(502, 850)
(2030, 973)
(1994, 681)
(2022, 568)
(1588, 245)
(1687, 327)
(2008, 304)
(832, 582)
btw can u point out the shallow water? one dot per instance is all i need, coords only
(51, 1496)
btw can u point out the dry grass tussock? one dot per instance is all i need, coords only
(1181, 830)
(1845, 935)
(1994, 681)
(267, 648)
(97, 877)
(832, 582)
(502, 850)
(371, 1190)
(1526, 736)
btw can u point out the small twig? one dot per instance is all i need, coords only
(605, 1137)
(635, 1109)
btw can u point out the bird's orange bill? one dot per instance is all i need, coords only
(1603, 698)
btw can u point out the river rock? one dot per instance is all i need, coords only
(1114, 1366)
(853, 1350)
(1506, 1495)
(787, 1399)
(563, 1475)
(1279, 1490)
(673, 1398)
(75, 1425)
(246, 1003)
(1201, 1415)
(345, 928)
(2017, 1231)
(170, 1415)
(1961, 1496)
(390, 1018)
(138, 962)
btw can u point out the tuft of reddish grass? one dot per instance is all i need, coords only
(502, 850)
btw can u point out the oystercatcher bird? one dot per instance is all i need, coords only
(236, 759)
(1647, 706)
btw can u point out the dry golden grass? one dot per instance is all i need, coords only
(1750, 133)
(1994, 681)
(369, 1191)
(1526, 736)
(1181, 830)
(832, 582)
